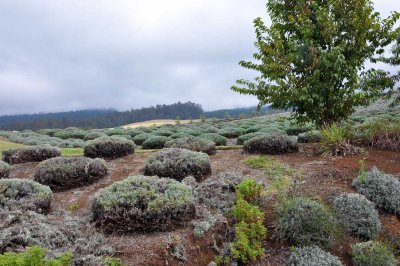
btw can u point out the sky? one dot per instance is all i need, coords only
(71, 55)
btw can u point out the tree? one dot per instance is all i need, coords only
(311, 59)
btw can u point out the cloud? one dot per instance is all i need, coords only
(70, 54)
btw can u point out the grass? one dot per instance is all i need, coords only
(5, 145)
(278, 173)
(160, 122)
(69, 152)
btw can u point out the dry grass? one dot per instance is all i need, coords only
(160, 122)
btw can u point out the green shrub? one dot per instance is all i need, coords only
(380, 188)
(115, 131)
(69, 172)
(249, 231)
(178, 163)
(156, 142)
(30, 154)
(309, 137)
(139, 139)
(271, 144)
(4, 169)
(294, 130)
(216, 138)
(191, 132)
(24, 194)
(382, 134)
(357, 215)
(34, 256)
(372, 253)
(163, 132)
(193, 143)
(230, 132)
(143, 203)
(109, 147)
(70, 133)
(179, 135)
(243, 138)
(312, 256)
(250, 190)
(254, 128)
(335, 140)
(302, 221)
(93, 135)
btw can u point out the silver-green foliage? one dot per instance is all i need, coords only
(309, 137)
(4, 169)
(24, 194)
(357, 215)
(380, 188)
(156, 142)
(178, 164)
(193, 143)
(372, 253)
(30, 154)
(69, 172)
(218, 139)
(313, 256)
(302, 221)
(109, 147)
(271, 144)
(143, 203)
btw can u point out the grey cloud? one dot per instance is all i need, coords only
(68, 55)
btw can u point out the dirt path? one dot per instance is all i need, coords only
(323, 177)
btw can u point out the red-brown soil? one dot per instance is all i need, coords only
(322, 177)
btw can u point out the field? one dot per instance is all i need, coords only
(159, 122)
(322, 166)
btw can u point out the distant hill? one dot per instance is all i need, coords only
(100, 118)
(111, 118)
(246, 111)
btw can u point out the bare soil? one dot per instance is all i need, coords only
(322, 177)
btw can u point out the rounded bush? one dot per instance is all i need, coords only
(271, 144)
(30, 154)
(156, 142)
(357, 215)
(309, 137)
(70, 133)
(24, 194)
(302, 221)
(109, 147)
(243, 138)
(4, 169)
(216, 138)
(230, 132)
(312, 256)
(142, 203)
(69, 172)
(163, 132)
(179, 135)
(178, 163)
(139, 139)
(191, 132)
(380, 188)
(193, 143)
(254, 128)
(93, 135)
(115, 131)
(372, 253)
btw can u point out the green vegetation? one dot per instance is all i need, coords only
(70, 152)
(303, 221)
(372, 253)
(357, 215)
(6, 145)
(311, 59)
(143, 203)
(4, 169)
(30, 154)
(178, 164)
(109, 147)
(271, 144)
(249, 229)
(279, 174)
(193, 143)
(34, 256)
(380, 188)
(335, 140)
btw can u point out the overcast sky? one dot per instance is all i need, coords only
(58, 55)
